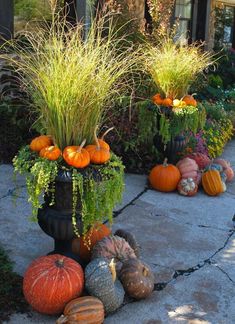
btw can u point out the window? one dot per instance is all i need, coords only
(183, 13)
(224, 26)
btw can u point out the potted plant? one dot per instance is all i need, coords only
(71, 81)
(173, 69)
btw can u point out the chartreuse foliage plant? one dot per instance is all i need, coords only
(173, 67)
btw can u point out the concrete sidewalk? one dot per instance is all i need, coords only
(188, 242)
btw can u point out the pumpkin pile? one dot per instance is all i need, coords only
(187, 100)
(75, 156)
(54, 284)
(189, 173)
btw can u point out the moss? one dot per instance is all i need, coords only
(11, 294)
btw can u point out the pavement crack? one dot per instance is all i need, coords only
(118, 212)
(187, 272)
(226, 274)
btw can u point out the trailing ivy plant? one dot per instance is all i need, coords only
(99, 189)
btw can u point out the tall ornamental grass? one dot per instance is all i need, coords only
(72, 80)
(173, 67)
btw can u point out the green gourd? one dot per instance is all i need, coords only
(101, 282)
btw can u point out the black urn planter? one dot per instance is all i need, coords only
(172, 149)
(56, 220)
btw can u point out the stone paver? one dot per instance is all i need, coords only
(188, 242)
(206, 296)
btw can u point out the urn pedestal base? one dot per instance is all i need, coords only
(58, 225)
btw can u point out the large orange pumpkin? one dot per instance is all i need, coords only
(50, 282)
(212, 183)
(83, 245)
(38, 143)
(164, 177)
(76, 156)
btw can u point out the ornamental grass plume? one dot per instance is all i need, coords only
(174, 68)
(71, 80)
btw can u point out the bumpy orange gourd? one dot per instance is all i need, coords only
(212, 183)
(51, 153)
(76, 156)
(190, 101)
(83, 245)
(98, 154)
(86, 310)
(164, 177)
(167, 102)
(101, 140)
(38, 143)
(157, 99)
(50, 282)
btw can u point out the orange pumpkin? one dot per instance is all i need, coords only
(76, 156)
(167, 102)
(101, 140)
(38, 143)
(212, 183)
(50, 282)
(98, 154)
(157, 99)
(190, 101)
(164, 177)
(50, 153)
(86, 310)
(83, 245)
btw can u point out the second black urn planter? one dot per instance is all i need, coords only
(172, 149)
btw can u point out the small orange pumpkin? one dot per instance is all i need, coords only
(164, 177)
(98, 154)
(190, 101)
(101, 140)
(157, 99)
(76, 156)
(167, 102)
(83, 245)
(50, 153)
(38, 143)
(212, 183)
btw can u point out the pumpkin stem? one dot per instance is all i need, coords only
(81, 146)
(112, 267)
(145, 271)
(165, 162)
(105, 133)
(96, 138)
(62, 319)
(59, 263)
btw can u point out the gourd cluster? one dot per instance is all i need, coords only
(75, 156)
(54, 284)
(191, 172)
